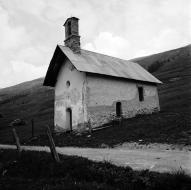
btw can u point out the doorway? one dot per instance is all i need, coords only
(69, 119)
(118, 109)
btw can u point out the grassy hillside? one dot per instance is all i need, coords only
(173, 68)
(30, 100)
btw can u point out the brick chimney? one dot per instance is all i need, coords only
(72, 38)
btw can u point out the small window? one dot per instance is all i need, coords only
(69, 28)
(118, 109)
(68, 83)
(141, 96)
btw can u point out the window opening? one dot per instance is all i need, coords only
(141, 97)
(69, 28)
(68, 83)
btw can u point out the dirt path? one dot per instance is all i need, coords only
(155, 160)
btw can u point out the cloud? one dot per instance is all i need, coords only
(36, 55)
(166, 40)
(28, 64)
(20, 58)
(28, 70)
(21, 71)
(173, 37)
(109, 44)
(10, 36)
(31, 6)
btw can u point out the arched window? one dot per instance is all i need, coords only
(118, 109)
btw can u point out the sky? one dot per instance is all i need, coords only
(31, 29)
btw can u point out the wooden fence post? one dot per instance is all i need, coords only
(90, 127)
(17, 140)
(52, 145)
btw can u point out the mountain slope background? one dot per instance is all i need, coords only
(173, 68)
(30, 100)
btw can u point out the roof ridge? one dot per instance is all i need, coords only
(103, 54)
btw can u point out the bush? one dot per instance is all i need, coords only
(155, 66)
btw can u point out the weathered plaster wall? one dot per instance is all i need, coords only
(103, 93)
(70, 97)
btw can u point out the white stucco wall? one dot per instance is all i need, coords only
(69, 97)
(103, 93)
(92, 98)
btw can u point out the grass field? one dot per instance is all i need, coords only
(37, 170)
(164, 127)
(31, 100)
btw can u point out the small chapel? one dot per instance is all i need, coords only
(92, 89)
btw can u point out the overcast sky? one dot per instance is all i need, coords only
(31, 29)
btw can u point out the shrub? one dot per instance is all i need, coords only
(155, 66)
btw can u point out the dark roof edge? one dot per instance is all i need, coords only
(49, 73)
(129, 79)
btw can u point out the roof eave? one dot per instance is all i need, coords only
(53, 69)
(125, 78)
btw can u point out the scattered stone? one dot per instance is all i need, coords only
(104, 145)
(89, 136)
(17, 122)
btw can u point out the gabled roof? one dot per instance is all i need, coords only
(92, 62)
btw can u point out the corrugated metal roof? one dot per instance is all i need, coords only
(92, 62)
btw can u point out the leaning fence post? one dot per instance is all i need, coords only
(52, 145)
(17, 140)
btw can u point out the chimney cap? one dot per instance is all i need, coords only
(75, 18)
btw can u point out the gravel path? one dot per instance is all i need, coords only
(155, 160)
